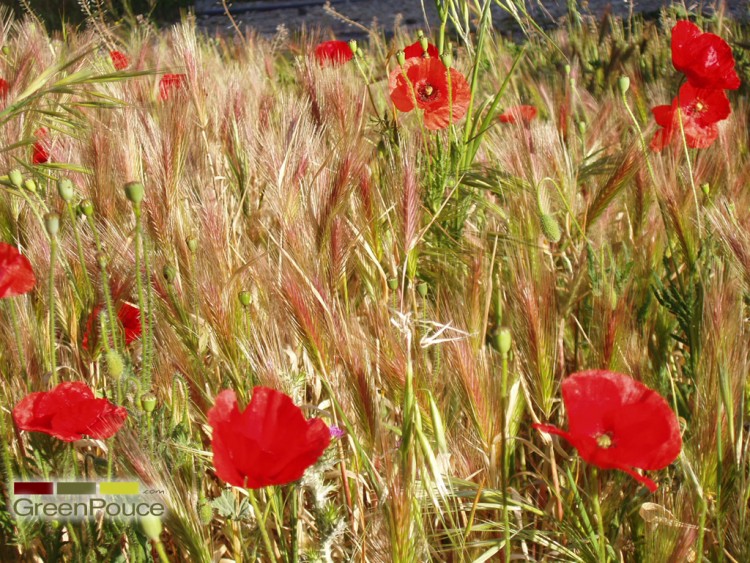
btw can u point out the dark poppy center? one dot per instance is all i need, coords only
(426, 92)
(604, 441)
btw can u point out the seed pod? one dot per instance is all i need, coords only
(134, 192)
(86, 207)
(246, 298)
(52, 223)
(65, 189)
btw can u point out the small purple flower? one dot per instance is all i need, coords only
(336, 432)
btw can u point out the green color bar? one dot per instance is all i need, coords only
(76, 488)
(119, 488)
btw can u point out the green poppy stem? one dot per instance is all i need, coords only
(260, 516)
(602, 544)
(294, 492)
(51, 294)
(17, 336)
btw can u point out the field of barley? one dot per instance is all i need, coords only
(452, 296)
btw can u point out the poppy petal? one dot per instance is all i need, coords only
(269, 443)
(333, 53)
(16, 275)
(415, 51)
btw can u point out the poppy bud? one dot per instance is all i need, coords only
(169, 273)
(29, 185)
(447, 59)
(101, 259)
(424, 44)
(245, 298)
(393, 284)
(503, 340)
(151, 527)
(52, 223)
(192, 244)
(706, 189)
(16, 178)
(401, 57)
(149, 403)
(65, 189)
(567, 70)
(134, 192)
(353, 46)
(115, 366)
(205, 512)
(422, 288)
(86, 207)
(550, 227)
(581, 127)
(624, 84)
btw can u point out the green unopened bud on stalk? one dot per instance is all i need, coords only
(422, 288)
(86, 207)
(393, 284)
(424, 44)
(504, 340)
(192, 244)
(447, 58)
(52, 223)
(169, 273)
(115, 366)
(353, 46)
(205, 512)
(706, 189)
(65, 189)
(151, 527)
(581, 127)
(102, 260)
(30, 185)
(134, 192)
(16, 178)
(550, 227)
(624, 84)
(246, 298)
(567, 70)
(401, 57)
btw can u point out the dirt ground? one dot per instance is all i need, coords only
(267, 15)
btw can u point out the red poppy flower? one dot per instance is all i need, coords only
(704, 58)
(616, 422)
(333, 53)
(415, 51)
(423, 83)
(269, 443)
(68, 412)
(700, 110)
(130, 320)
(16, 275)
(119, 60)
(518, 114)
(4, 88)
(169, 83)
(41, 147)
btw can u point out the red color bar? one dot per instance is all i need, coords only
(33, 488)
